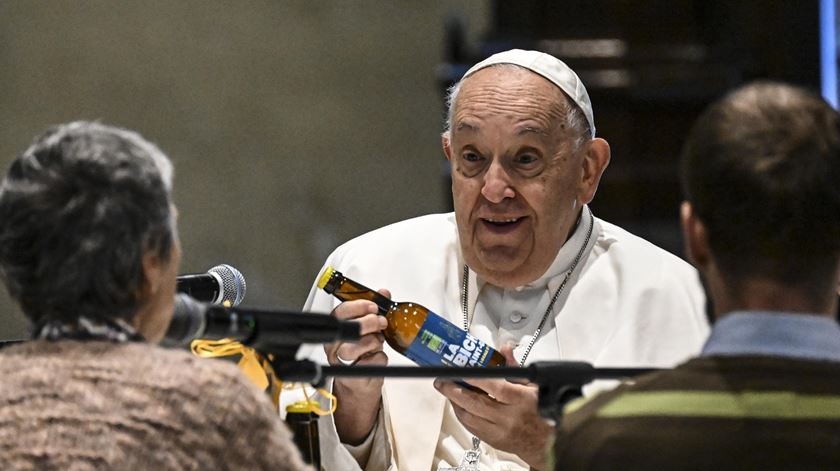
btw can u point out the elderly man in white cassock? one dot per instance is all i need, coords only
(522, 264)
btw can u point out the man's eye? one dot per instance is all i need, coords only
(526, 159)
(471, 157)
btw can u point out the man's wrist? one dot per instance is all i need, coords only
(355, 418)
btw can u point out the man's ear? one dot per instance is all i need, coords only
(153, 269)
(695, 237)
(594, 163)
(444, 142)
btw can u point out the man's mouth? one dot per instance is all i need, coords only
(501, 221)
(502, 224)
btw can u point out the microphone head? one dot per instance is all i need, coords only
(233, 283)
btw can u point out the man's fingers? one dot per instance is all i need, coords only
(352, 350)
(507, 352)
(354, 309)
(474, 402)
(501, 390)
(474, 424)
(374, 358)
(371, 323)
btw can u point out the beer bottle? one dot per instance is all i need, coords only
(303, 422)
(418, 333)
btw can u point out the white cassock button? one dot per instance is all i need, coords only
(515, 317)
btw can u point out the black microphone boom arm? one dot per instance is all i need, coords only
(279, 333)
(276, 331)
(559, 381)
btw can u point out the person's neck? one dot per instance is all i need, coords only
(762, 294)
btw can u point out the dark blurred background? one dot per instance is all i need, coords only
(296, 125)
(650, 67)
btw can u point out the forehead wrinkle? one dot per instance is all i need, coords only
(518, 102)
(533, 121)
(521, 129)
(518, 112)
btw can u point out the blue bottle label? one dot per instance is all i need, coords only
(440, 343)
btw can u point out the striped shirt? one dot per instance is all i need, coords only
(765, 394)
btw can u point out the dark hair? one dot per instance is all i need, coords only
(761, 167)
(78, 210)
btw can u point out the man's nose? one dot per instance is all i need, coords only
(497, 185)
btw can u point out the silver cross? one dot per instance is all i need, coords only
(470, 460)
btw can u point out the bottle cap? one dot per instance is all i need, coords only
(303, 407)
(325, 277)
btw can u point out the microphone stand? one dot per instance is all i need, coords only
(558, 381)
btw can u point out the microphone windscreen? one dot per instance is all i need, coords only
(233, 283)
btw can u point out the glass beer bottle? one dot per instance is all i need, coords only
(303, 422)
(413, 330)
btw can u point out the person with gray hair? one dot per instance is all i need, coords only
(522, 264)
(761, 220)
(89, 250)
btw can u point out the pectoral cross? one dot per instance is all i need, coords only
(470, 460)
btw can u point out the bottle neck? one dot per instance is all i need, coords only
(384, 304)
(348, 290)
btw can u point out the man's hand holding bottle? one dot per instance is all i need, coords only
(359, 398)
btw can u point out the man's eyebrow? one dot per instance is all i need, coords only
(465, 126)
(531, 129)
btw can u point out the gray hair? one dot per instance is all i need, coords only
(78, 210)
(575, 119)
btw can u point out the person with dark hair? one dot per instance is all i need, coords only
(761, 220)
(89, 250)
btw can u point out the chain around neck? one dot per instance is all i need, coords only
(466, 283)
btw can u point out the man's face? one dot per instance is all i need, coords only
(516, 176)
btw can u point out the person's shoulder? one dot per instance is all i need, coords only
(218, 384)
(428, 231)
(237, 422)
(638, 253)
(670, 387)
(204, 373)
(619, 237)
(413, 228)
(161, 372)
(580, 411)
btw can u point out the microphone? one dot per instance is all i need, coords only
(221, 283)
(262, 329)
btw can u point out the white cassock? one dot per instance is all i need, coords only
(628, 303)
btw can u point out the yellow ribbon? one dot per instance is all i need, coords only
(258, 369)
(311, 404)
(254, 365)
